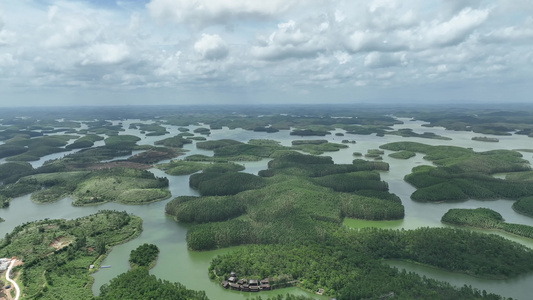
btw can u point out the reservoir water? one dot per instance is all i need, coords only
(176, 263)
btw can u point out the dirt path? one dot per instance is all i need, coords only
(13, 283)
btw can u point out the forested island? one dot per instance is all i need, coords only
(286, 217)
(58, 255)
(144, 256)
(462, 173)
(485, 218)
(485, 139)
(299, 198)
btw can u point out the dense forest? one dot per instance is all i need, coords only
(348, 264)
(303, 199)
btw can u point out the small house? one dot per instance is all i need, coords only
(265, 287)
(254, 288)
(253, 282)
(264, 284)
(225, 284)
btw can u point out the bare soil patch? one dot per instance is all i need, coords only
(60, 242)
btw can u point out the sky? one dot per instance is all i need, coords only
(133, 52)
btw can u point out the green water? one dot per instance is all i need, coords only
(176, 263)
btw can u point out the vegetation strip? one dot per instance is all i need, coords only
(485, 218)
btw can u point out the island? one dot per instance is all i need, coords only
(485, 139)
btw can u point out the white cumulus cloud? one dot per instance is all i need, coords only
(293, 40)
(211, 46)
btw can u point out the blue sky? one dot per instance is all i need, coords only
(279, 51)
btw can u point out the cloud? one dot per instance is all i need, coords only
(105, 54)
(453, 31)
(342, 57)
(202, 13)
(74, 24)
(169, 65)
(6, 37)
(522, 33)
(211, 47)
(7, 60)
(390, 15)
(393, 36)
(385, 60)
(293, 40)
(284, 46)
(366, 41)
(452, 7)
